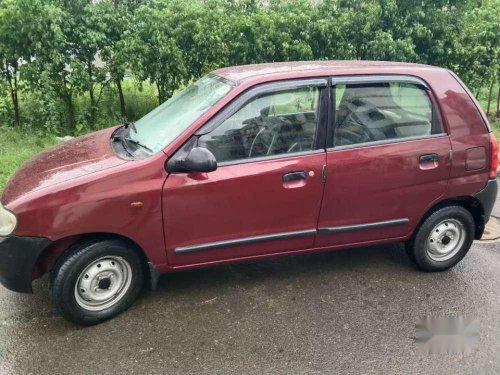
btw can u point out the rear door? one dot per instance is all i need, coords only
(388, 159)
(265, 196)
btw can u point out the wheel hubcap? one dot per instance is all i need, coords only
(445, 240)
(103, 283)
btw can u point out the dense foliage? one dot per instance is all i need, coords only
(69, 66)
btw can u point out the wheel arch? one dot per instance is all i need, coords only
(49, 257)
(471, 204)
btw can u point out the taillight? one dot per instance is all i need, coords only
(494, 156)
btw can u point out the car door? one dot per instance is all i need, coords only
(388, 159)
(265, 195)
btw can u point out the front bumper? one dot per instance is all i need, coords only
(18, 256)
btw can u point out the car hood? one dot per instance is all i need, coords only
(68, 160)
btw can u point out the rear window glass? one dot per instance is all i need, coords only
(382, 111)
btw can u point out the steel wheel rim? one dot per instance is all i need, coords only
(103, 283)
(445, 240)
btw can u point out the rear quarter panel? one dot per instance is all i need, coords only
(468, 132)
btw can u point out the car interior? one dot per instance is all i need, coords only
(269, 133)
(365, 113)
(371, 112)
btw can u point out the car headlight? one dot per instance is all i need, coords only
(8, 221)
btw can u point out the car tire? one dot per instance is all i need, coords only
(95, 281)
(443, 239)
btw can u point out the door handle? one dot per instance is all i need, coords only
(429, 158)
(294, 176)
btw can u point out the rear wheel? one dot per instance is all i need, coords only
(443, 239)
(96, 281)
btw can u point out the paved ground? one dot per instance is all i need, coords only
(346, 312)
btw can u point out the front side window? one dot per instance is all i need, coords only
(272, 124)
(382, 111)
(165, 123)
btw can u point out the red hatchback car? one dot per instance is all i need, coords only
(252, 162)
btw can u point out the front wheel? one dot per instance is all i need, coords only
(96, 281)
(443, 239)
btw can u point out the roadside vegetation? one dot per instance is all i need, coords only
(72, 67)
(17, 146)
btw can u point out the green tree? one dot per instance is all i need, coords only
(327, 32)
(16, 19)
(87, 39)
(155, 55)
(479, 52)
(68, 52)
(200, 33)
(117, 16)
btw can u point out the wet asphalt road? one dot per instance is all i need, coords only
(345, 312)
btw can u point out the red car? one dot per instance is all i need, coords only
(253, 162)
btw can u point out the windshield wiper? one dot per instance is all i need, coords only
(123, 142)
(137, 143)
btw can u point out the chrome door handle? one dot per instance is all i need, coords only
(429, 158)
(294, 176)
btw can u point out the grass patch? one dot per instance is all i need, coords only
(18, 146)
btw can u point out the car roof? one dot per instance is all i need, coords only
(313, 68)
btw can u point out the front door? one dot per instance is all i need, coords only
(265, 196)
(388, 163)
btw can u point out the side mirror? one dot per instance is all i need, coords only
(199, 159)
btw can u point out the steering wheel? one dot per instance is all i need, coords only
(260, 144)
(295, 147)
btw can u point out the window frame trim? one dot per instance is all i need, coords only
(245, 97)
(322, 83)
(270, 157)
(386, 142)
(379, 78)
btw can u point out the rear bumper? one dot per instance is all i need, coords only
(487, 198)
(18, 256)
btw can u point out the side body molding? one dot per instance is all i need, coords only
(280, 236)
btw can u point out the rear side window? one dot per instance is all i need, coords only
(377, 112)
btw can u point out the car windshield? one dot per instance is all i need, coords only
(165, 123)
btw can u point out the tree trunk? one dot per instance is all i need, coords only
(70, 106)
(13, 86)
(490, 94)
(93, 104)
(161, 94)
(17, 117)
(15, 104)
(498, 101)
(123, 109)
(71, 115)
(479, 89)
